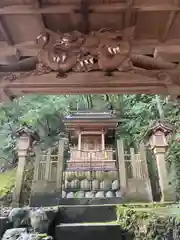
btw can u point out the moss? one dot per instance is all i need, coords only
(146, 222)
(7, 181)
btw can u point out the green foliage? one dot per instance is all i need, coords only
(147, 223)
(6, 182)
(45, 113)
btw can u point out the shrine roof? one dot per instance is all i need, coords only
(91, 115)
(156, 126)
(91, 120)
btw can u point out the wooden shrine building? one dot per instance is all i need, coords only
(97, 167)
(89, 46)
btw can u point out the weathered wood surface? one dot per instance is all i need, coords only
(156, 42)
(94, 82)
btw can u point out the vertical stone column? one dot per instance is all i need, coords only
(79, 141)
(48, 165)
(102, 141)
(122, 168)
(133, 163)
(22, 154)
(60, 165)
(37, 162)
(166, 191)
(145, 169)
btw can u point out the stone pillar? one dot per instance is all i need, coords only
(102, 141)
(22, 154)
(133, 163)
(166, 191)
(48, 165)
(122, 167)
(145, 169)
(37, 162)
(60, 165)
(79, 141)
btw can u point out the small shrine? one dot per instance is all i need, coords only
(92, 169)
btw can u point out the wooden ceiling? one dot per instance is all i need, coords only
(157, 34)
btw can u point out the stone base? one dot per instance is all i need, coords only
(89, 231)
(3, 226)
(53, 199)
(138, 191)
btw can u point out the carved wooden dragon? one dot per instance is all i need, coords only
(103, 50)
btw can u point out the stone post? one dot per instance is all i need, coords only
(166, 193)
(22, 154)
(122, 167)
(37, 162)
(60, 165)
(133, 162)
(48, 165)
(157, 135)
(145, 169)
(25, 138)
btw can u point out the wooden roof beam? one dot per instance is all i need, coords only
(170, 21)
(5, 33)
(84, 11)
(148, 47)
(168, 53)
(99, 8)
(86, 83)
(128, 14)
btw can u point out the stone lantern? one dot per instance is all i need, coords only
(24, 139)
(157, 136)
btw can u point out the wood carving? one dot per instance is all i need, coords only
(80, 53)
(104, 50)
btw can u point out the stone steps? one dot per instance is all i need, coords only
(87, 214)
(89, 231)
(85, 220)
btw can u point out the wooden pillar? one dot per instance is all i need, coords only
(146, 173)
(103, 141)
(60, 165)
(133, 163)
(48, 165)
(22, 154)
(122, 167)
(37, 162)
(79, 141)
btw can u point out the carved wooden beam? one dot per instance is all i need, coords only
(150, 63)
(168, 53)
(86, 83)
(23, 65)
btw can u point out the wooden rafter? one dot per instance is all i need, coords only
(99, 8)
(84, 11)
(139, 47)
(171, 18)
(38, 6)
(128, 14)
(5, 33)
